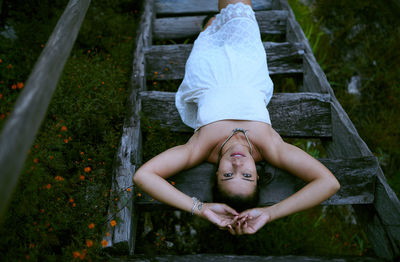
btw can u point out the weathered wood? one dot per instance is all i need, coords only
(292, 115)
(167, 7)
(356, 176)
(382, 219)
(237, 258)
(32, 103)
(169, 60)
(128, 157)
(270, 22)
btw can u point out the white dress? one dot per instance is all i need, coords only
(226, 74)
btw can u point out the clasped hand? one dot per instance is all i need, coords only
(226, 218)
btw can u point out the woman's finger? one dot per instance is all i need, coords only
(230, 210)
(231, 230)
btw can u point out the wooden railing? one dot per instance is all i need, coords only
(20, 129)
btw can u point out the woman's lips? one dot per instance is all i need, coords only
(237, 154)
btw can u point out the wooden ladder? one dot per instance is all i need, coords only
(312, 112)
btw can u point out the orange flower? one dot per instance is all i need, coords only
(104, 243)
(63, 128)
(73, 205)
(9, 66)
(66, 141)
(14, 86)
(89, 243)
(173, 183)
(108, 234)
(60, 178)
(36, 160)
(87, 169)
(42, 45)
(2, 116)
(91, 225)
(139, 195)
(48, 186)
(51, 157)
(71, 200)
(31, 245)
(82, 177)
(20, 85)
(1, 61)
(82, 153)
(113, 223)
(1, 96)
(76, 254)
(128, 189)
(102, 82)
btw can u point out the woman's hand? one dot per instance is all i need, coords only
(250, 221)
(219, 214)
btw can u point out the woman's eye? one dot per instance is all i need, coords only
(247, 175)
(227, 174)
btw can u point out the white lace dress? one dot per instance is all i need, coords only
(226, 74)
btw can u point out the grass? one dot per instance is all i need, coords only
(59, 209)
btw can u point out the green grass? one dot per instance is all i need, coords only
(59, 208)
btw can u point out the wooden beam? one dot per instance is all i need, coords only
(356, 176)
(292, 114)
(270, 22)
(128, 158)
(240, 258)
(169, 7)
(32, 103)
(169, 60)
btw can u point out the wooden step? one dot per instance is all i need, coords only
(168, 7)
(309, 113)
(270, 22)
(169, 60)
(356, 177)
(237, 258)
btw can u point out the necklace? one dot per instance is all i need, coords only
(234, 131)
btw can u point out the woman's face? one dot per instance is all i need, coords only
(237, 173)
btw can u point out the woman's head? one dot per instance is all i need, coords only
(236, 179)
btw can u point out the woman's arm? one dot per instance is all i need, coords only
(321, 182)
(151, 178)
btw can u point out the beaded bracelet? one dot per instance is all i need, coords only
(197, 203)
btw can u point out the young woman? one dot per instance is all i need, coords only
(223, 96)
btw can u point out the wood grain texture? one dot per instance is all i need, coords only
(382, 219)
(168, 7)
(123, 235)
(169, 60)
(292, 114)
(32, 103)
(356, 176)
(270, 22)
(238, 258)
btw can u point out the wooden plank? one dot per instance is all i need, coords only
(270, 22)
(169, 60)
(32, 103)
(168, 7)
(308, 113)
(382, 219)
(123, 235)
(239, 258)
(356, 176)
